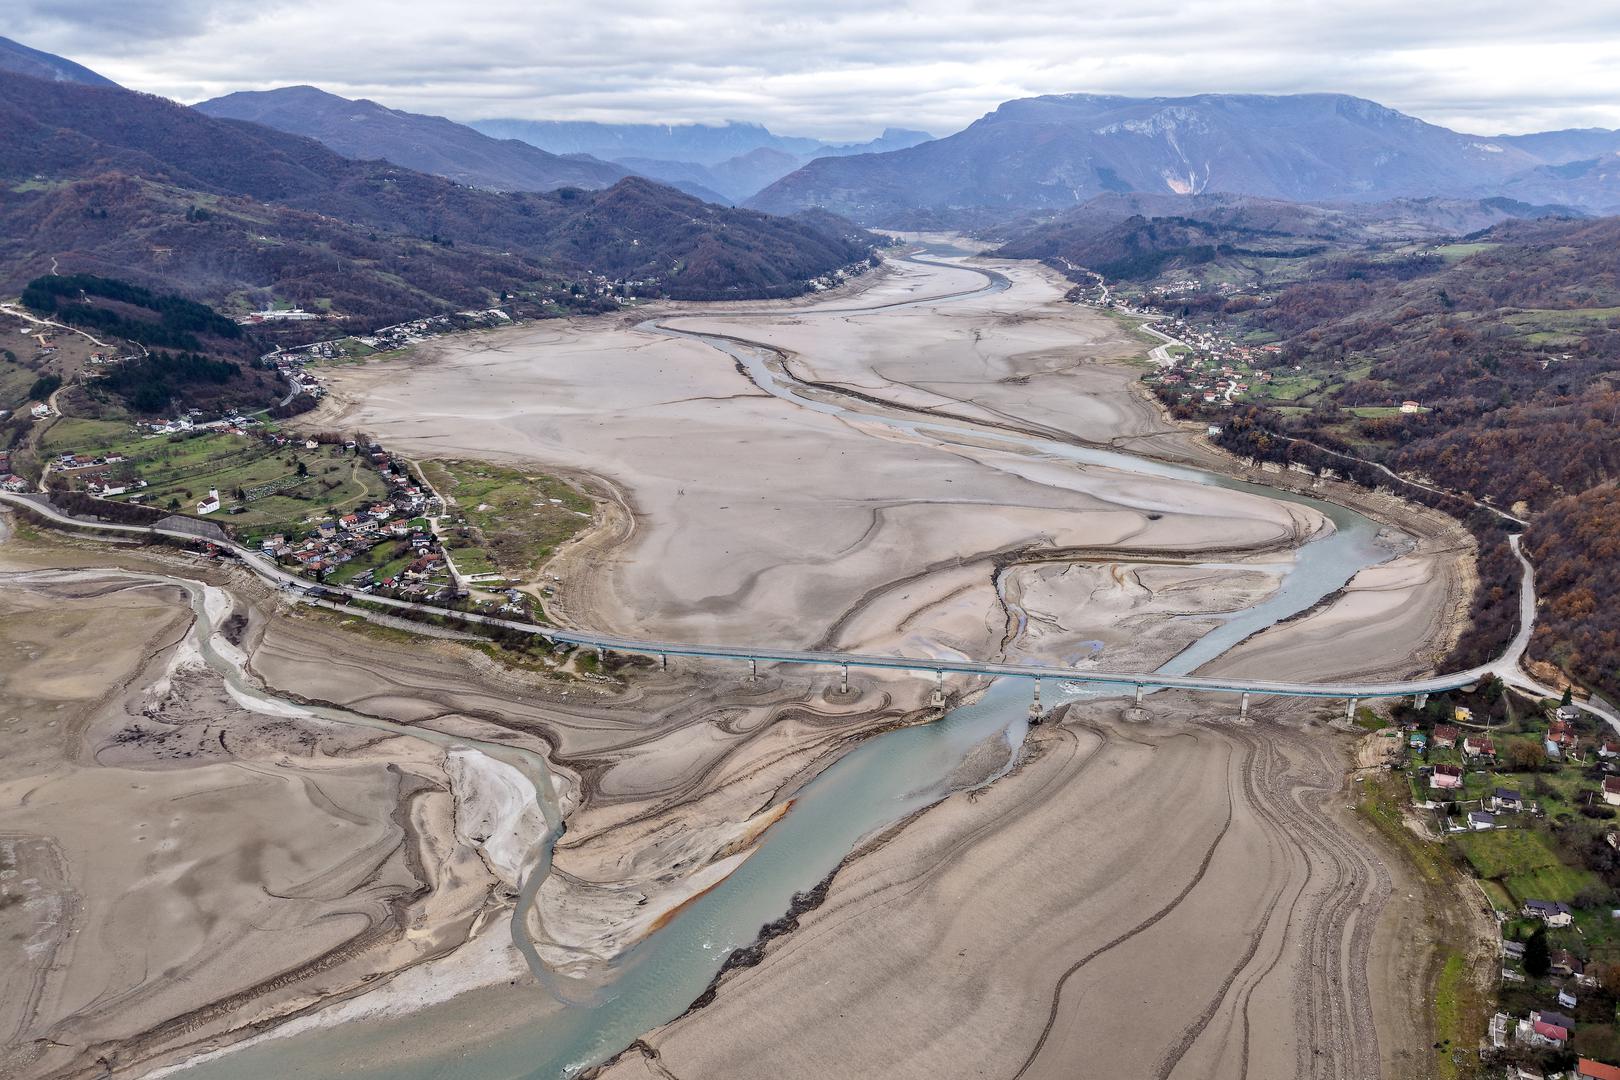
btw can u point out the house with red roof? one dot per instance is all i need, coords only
(1542, 1033)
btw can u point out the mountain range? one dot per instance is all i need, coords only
(431, 144)
(1055, 152)
(107, 181)
(717, 163)
(733, 160)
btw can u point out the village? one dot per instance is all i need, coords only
(1527, 803)
(1218, 370)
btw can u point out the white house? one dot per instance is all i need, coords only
(1552, 912)
(210, 504)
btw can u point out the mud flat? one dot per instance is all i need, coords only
(740, 513)
(1135, 901)
(755, 518)
(1021, 356)
(182, 865)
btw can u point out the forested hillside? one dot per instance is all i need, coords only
(1240, 239)
(185, 355)
(1510, 344)
(136, 187)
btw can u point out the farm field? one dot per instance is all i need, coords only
(1524, 864)
(275, 486)
(509, 520)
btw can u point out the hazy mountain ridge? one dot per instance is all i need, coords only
(735, 159)
(432, 144)
(701, 144)
(1054, 152)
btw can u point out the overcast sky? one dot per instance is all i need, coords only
(843, 69)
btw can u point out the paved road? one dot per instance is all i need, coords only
(1507, 666)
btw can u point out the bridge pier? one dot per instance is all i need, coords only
(1243, 706)
(1035, 706)
(663, 661)
(843, 686)
(939, 688)
(1350, 710)
(1138, 695)
(1420, 701)
(753, 669)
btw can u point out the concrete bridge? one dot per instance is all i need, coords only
(1506, 667)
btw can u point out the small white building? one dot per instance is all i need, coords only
(210, 504)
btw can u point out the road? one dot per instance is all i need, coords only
(1507, 667)
(1160, 354)
(19, 313)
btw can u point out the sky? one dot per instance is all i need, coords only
(841, 69)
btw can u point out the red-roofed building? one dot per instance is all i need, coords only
(1587, 1069)
(1445, 736)
(1551, 1034)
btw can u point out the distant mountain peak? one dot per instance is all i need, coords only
(1055, 151)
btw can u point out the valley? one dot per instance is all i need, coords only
(820, 489)
(899, 540)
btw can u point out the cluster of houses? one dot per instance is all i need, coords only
(334, 542)
(1219, 371)
(269, 314)
(402, 334)
(1540, 1029)
(289, 362)
(1477, 750)
(1544, 1028)
(233, 424)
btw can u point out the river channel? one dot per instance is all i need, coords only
(875, 785)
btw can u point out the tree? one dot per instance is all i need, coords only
(1537, 958)
(1568, 698)
(1523, 755)
(303, 470)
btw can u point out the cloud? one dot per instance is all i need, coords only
(847, 69)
